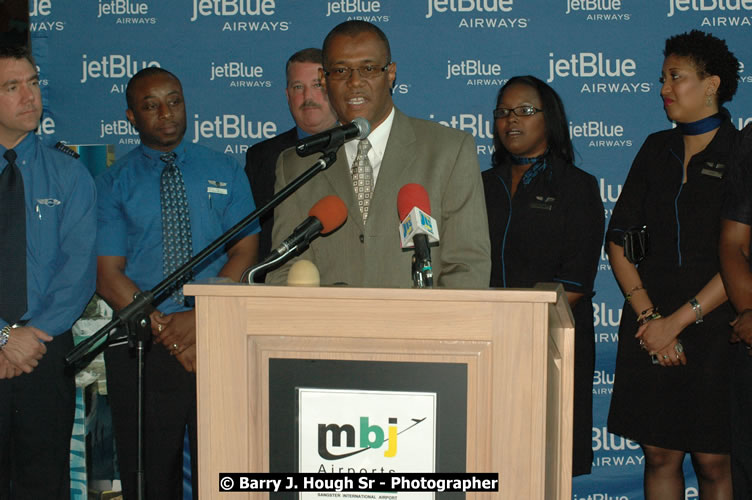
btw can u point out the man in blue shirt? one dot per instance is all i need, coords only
(37, 397)
(133, 255)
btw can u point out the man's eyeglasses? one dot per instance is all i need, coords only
(519, 111)
(344, 73)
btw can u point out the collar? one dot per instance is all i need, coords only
(378, 139)
(23, 148)
(154, 155)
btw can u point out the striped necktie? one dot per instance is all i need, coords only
(176, 220)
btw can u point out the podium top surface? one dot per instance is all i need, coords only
(542, 293)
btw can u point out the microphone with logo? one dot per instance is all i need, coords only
(332, 139)
(417, 230)
(328, 214)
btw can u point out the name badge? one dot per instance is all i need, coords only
(541, 203)
(713, 169)
(217, 187)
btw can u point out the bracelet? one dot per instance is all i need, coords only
(647, 319)
(634, 289)
(697, 308)
(646, 312)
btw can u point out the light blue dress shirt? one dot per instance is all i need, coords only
(61, 229)
(130, 213)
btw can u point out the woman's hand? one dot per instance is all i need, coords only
(657, 334)
(672, 355)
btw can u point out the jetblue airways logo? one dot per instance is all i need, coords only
(589, 64)
(232, 127)
(225, 8)
(707, 5)
(122, 8)
(468, 6)
(239, 74)
(589, 5)
(40, 7)
(112, 66)
(352, 7)
(598, 10)
(597, 65)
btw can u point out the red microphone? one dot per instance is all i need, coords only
(414, 209)
(411, 196)
(328, 214)
(417, 230)
(330, 211)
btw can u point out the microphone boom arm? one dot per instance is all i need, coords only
(134, 314)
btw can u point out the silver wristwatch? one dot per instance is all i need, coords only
(4, 336)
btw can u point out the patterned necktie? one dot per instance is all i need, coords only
(13, 242)
(362, 178)
(176, 220)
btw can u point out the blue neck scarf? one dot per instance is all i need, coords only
(701, 126)
(539, 165)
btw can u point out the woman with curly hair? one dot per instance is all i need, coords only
(671, 388)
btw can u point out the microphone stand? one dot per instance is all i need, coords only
(134, 318)
(422, 268)
(422, 273)
(250, 273)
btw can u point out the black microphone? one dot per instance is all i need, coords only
(325, 216)
(335, 137)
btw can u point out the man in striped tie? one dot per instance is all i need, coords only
(160, 204)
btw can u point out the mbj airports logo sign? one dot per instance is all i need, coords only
(372, 437)
(352, 431)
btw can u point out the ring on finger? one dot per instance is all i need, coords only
(679, 348)
(175, 347)
(665, 356)
(159, 327)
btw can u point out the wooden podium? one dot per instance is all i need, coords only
(518, 346)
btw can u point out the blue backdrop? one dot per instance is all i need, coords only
(603, 57)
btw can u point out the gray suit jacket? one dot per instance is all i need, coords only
(441, 159)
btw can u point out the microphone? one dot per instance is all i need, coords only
(333, 138)
(417, 230)
(303, 273)
(328, 214)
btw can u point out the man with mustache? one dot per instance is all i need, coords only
(309, 107)
(47, 268)
(161, 203)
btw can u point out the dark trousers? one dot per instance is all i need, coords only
(36, 421)
(169, 406)
(741, 423)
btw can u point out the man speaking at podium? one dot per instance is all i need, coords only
(359, 74)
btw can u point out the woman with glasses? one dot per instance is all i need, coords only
(545, 219)
(671, 379)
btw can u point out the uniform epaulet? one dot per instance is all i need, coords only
(65, 149)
